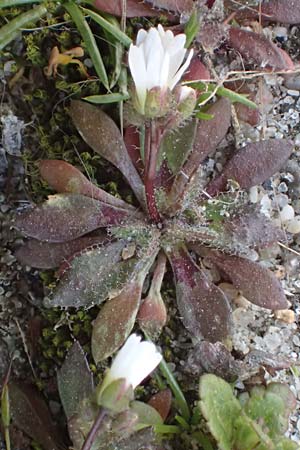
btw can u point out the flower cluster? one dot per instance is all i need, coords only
(157, 63)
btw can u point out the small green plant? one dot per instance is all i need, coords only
(256, 420)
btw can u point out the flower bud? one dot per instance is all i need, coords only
(152, 315)
(187, 98)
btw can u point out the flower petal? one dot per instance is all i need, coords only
(181, 71)
(138, 72)
(141, 36)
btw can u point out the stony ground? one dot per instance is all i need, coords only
(21, 289)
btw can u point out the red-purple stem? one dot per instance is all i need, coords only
(152, 144)
(92, 434)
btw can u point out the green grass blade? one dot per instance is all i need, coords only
(107, 98)
(235, 97)
(13, 3)
(191, 29)
(109, 27)
(11, 30)
(89, 40)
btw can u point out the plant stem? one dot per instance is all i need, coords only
(152, 143)
(94, 430)
(178, 394)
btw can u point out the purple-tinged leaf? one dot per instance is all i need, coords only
(74, 380)
(144, 439)
(252, 164)
(197, 70)
(162, 402)
(204, 308)
(65, 178)
(206, 357)
(175, 6)
(116, 318)
(256, 47)
(31, 414)
(102, 134)
(115, 321)
(64, 217)
(99, 274)
(44, 255)
(134, 8)
(258, 284)
(250, 228)
(208, 135)
(274, 11)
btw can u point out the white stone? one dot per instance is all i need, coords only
(294, 225)
(287, 213)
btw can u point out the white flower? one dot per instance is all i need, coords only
(156, 61)
(134, 362)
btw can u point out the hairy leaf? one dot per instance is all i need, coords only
(64, 217)
(145, 439)
(31, 414)
(75, 380)
(208, 135)
(116, 318)
(148, 416)
(98, 274)
(250, 228)
(271, 407)
(274, 11)
(220, 408)
(65, 178)
(206, 357)
(176, 6)
(134, 8)
(257, 283)
(44, 255)
(102, 134)
(80, 424)
(252, 164)
(258, 48)
(115, 321)
(204, 308)
(177, 145)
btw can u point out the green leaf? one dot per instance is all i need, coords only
(270, 408)
(109, 27)
(148, 416)
(234, 97)
(204, 116)
(177, 145)
(11, 30)
(192, 28)
(13, 3)
(220, 408)
(74, 380)
(286, 444)
(31, 414)
(89, 40)
(106, 98)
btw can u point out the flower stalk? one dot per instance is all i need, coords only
(94, 430)
(153, 139)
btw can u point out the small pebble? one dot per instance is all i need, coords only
(287, 213)
(294, 225)
(286, 315)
